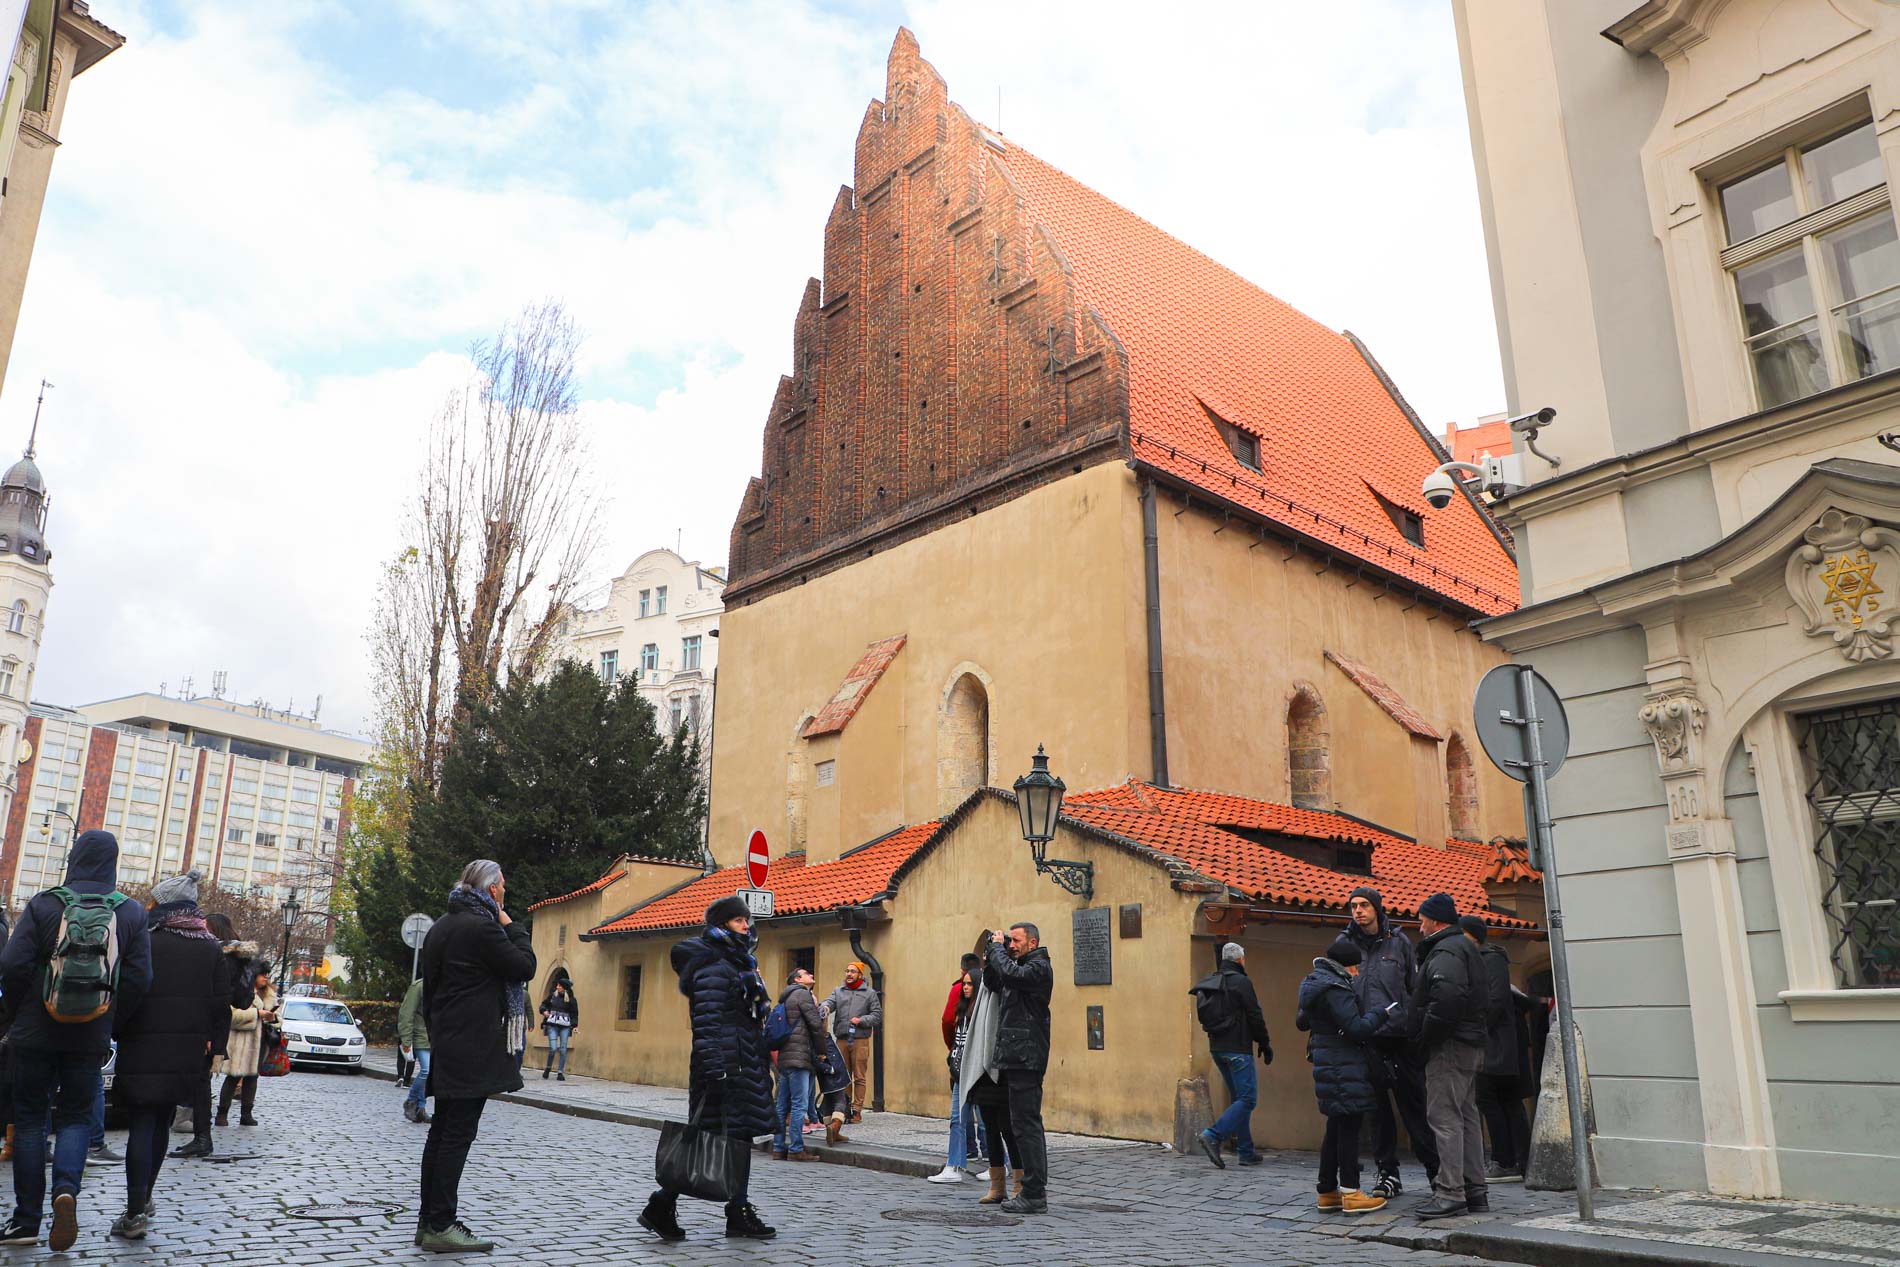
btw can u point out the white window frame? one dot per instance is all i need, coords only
(16, 617)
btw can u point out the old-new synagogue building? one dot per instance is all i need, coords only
(1043, 475)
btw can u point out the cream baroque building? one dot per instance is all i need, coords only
(1689, 214)
(657, 622)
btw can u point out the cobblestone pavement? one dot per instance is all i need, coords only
(557, 1189)
(1836, 1233)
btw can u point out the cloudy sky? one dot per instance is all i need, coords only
(274, 230)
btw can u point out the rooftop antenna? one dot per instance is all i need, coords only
(218, 679)
(184, 688)
(999, 108)
(161, 691)
(32, 439)
(318, 710)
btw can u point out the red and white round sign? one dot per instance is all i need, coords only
(758, 862)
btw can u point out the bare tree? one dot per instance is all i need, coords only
(504, 522)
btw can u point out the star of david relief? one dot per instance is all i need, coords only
(1840, 576)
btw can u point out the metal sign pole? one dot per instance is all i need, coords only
(1559, 964)
(415, 962)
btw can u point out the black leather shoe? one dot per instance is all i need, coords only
(1439, 1208)
(1478, 1204)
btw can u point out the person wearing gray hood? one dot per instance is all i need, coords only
(1387, 974)
(57, 1059)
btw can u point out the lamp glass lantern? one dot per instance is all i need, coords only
(1039, 802)
(291, 911)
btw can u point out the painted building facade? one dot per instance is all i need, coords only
(1042, 474)
(1694, 260)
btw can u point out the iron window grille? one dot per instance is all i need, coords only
(1853, 758)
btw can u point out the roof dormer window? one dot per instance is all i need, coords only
(1244, 445)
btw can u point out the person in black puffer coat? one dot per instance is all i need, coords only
(1332, 1013)
(163, 1046)
(1019, 970)
(729, 1089)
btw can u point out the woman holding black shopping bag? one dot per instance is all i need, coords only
(730, 1087)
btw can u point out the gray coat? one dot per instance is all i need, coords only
(862, 1003)
(807, 1039)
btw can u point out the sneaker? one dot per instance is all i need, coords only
(1329, 1201)
(131, 1225)
(453, 1239)
(1439, 1208)
(1360, 1203)
(560, 1077)
(949, 1174)
(1494, 1173)
(1252, 1159)
(65, 1222)
(1021, 1204)
(20, 1232)
(102, 1155)
(1388, 1187)
(1211, 1147)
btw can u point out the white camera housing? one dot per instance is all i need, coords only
(1496, 477)
(1439, 488)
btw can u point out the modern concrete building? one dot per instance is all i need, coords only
(1694, 260)
(255, 798)
(658, 623)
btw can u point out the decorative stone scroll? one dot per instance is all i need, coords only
(1845, 578)
(1674, 722)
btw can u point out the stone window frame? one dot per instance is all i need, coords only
(1686, 169)
(1814, 992)
(1320, 795)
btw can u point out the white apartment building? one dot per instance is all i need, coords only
(659, 622)
(256, 799)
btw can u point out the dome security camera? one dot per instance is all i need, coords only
(1439, 488)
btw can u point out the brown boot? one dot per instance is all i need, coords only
(834, 1131)
(1017, 1190)
(6, 1150)
(777, 1155)
(996, 1194)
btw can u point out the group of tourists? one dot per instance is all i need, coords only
(181, 994)
(1435, 1037)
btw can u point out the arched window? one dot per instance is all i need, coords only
(16, 617)
(963, 741)
(1461, 789)
(1309, 757)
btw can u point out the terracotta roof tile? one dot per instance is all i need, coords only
(798, 887)
(843, 706)
(1188, 825)
(613, 873)
(1385, 697)
(1199, 337)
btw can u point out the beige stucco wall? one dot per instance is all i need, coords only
(1071, 677)
(1242, 624)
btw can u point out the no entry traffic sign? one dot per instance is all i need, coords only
(758, 861)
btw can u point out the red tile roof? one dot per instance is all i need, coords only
(1189, 825)
(797, 888)
(843, 706)
(1201, 338)
(613, 873)
(1385, 697)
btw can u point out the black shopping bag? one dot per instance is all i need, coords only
(700, 1163)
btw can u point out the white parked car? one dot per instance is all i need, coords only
(320, 1032)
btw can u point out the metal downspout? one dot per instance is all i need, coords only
(1157, 694)
(877, 1036)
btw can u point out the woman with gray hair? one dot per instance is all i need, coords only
(476, 965)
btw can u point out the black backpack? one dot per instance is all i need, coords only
(1214, 1004)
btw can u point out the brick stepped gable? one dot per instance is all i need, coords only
(946, 364)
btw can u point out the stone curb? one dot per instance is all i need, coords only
(890, 1161)
(1543, 1247)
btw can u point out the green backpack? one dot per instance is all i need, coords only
(84, 969)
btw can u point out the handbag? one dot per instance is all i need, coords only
(273, 1061)
(701, 1163)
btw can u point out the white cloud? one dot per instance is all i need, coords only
(260, 263)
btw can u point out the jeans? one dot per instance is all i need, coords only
(557, 1041)
(98, 1137)
(794, 1102)
(1451, 1104)
(1025, 1124)
(145, 1151)
(451, 1133)
(419, 1087)
(1409, 1093)
(959, 1128)
(70, 1082)
(1339, 1154)
(1243, 1089)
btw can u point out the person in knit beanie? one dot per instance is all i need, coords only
(1341, 1027)
(856, 1013)
(1448, 1010)
(1386, 974)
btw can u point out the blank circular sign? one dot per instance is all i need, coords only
(1505, 741)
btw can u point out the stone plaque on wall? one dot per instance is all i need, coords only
(1131, 920)
(1097, 1040)
(1091, 943)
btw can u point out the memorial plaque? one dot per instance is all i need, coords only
(1131, 920)
(1096, 1039)
(1091, 946)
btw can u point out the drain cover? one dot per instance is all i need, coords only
(954, 1218)
(344, 1210)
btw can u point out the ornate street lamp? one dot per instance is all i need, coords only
(1039, 802)
(291, 910)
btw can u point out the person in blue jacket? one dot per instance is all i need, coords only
(1331, 1012)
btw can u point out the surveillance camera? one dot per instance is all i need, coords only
(1439, 489)
(1531, 422)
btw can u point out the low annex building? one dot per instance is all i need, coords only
(1041, 474)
